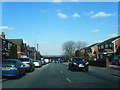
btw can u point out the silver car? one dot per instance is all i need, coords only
(37, 63)
(28, 63)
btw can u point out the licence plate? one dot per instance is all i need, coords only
(81, 65)
(5, 68)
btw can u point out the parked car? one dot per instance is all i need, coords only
(93, 58)
(43, 62)
(78, 63)
(46, 61)
(116, 60)
(28, 63)
(12, 67)
(37, 63)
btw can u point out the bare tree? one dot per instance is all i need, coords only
(80, 45)
(69, 48)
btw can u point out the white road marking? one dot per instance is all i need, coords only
(68, 80)
(61, 71)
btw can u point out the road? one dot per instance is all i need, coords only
(57, 75)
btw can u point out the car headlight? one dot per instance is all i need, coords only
(75, 63)
(87, 63)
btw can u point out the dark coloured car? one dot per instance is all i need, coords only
(12, 67)
(28, 63)
(116, 60)
(78, 63)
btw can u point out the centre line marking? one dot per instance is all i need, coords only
(61, 71)
(68, 80)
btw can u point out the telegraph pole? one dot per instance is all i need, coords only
(37, 51)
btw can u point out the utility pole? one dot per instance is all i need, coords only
(37, 51)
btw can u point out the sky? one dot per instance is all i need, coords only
(51, 24)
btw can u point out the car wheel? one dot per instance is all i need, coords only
(33, 69)
(68, 68)
(87, 69)
(24, 73)
(72, 68)
(18, 76)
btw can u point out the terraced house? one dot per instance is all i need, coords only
(108, 48)
(5, 46)
(20, 46)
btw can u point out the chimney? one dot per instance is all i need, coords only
(2, 35)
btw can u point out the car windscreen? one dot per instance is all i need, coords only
(9, 63)
(77, 59)
(24, 59)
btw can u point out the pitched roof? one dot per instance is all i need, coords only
(109, 40)
(16, 41)
(90, 46)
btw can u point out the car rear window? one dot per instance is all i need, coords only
(9, 63)
(77, 59)
(35, 61)
(24, 59)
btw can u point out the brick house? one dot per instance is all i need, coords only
(90, 49)
(4, 46)
(20, 46)
(108, 48)
(116, 46)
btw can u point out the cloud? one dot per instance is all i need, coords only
(57, 1)
(76, 15)
(61, 15)
(96, 30)
(91, 12)
(33, 43)
(101, 14)
(6, 27)
(75, 0)
(111, 35)
(42, 42)
(2, 28)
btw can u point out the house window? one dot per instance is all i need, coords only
(106, 45)
(9, 45)
(110, 45)
(98, 47)
(102, 46)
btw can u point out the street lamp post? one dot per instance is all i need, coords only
(36, 48)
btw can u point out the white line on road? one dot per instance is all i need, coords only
(68, 80)
(61, 71)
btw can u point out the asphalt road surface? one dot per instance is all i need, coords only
(57, 75)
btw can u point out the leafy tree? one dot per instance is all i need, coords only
(13, 52)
